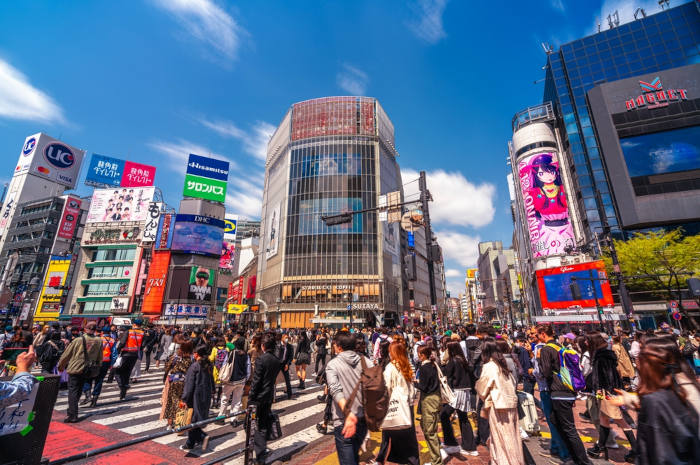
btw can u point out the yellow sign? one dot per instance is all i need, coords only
(471, 273)
(237, 309)
(48, 307)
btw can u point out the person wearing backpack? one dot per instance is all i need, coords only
(219, 355)
(233, 375)
(51, 351)
(343, 374)
(563, 397)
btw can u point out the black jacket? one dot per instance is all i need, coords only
(287, 358)
(428, 382)
(668, 430)
(604, 374)
(199, 386)
(525, 362)
(457, 376)
(549, 367)
(474, 355)
(262, 388)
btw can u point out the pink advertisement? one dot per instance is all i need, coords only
(546, 206)
(228, 254)
(137, 175)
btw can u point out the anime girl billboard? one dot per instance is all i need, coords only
(546, 210)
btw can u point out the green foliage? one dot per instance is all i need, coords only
(667, 256)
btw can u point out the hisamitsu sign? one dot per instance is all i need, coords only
(206, 178)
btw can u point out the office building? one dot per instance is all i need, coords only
(328, 156)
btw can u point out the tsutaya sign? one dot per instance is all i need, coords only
(654, 96)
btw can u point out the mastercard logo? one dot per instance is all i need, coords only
(43, 170)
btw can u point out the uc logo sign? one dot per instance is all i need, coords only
(29, 146)
(59, 155)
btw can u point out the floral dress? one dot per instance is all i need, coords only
(175, 371)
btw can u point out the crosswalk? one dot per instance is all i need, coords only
(138, 414)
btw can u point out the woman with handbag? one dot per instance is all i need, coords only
(302, 357)
(604, 380)
(399, 442)
(497, 389)
(458, 376)
(174, 379)
(196, 395)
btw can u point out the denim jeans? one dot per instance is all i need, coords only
(557, 446)
(349, 448)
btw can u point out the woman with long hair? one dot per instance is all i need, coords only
(603, 380)
(197, 394)
(399, 445)
(429, 386)
(302, 357)
(668, 403)
(174, 379)
(497, 389)
(460, 380)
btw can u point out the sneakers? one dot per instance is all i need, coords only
(451, 449)
(444, 455)
(473, 453)
(523, 434)
(321, 428)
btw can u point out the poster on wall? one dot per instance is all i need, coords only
(120, 204)
(273, 226)
(391, 237)
(201, 284)
(546, 205)
(69, 218)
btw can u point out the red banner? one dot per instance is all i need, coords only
(69, 220)
(137, 175)
(155, 283)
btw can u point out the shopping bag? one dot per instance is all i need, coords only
(447, 395)
(398, 416)
(183, 417)
(118, 362)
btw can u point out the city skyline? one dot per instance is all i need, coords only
(211, 78)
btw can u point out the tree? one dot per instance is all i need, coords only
(660, 260)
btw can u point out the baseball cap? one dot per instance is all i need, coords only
(571, 336)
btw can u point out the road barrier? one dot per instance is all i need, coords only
(249, 413)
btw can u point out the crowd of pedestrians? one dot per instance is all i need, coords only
(390, 379)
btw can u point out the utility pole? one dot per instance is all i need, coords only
(425, 197)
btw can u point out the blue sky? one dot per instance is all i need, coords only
(155, 80)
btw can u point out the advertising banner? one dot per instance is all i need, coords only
(150, 230)
(546, 205)
(121, 204)
(137, 175)
(555, 291)
(272, 227)
(120, 305)
(231, 223)
(472, 273)
(204, 188)
(236, 309)
(201, 284)
(186, 310)
(50, 159)
(8, 210)
(206, 167)
(155, 283)
(165, 231)
(196, 234)
(228, 255)
(69, 218)
(104, 170)
(56, 273)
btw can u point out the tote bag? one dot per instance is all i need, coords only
(399, 414)
(447, 395)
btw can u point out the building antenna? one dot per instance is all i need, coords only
(663, 3)
(639, 11)
(547, 48)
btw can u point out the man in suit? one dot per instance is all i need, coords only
(262, 393)
(285, 352)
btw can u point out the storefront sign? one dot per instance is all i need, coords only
(114, 235)
(155, 283)
(69, 219)
(364, 306)
(120, 305)
(165, 232)
(194, 311)
(654, 96)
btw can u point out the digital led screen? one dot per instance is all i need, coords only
(311, 211)
(662, 152)
(198, 235)
(555, 285)
(331, 164)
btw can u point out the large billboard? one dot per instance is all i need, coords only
(164, 236)
(197, 234)
(228, 255)
(201, 284)
(50, 159)
(69, 218)
(104, 170)
(137, 175)
(231, 223)
(555, 285)
(120, 204)
(150, 229)
(155, 283)
(206, 178)
(330, 116)
(546, 205)
(272, 227)
(48, 307)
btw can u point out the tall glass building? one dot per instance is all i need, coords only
(330, 155)
(665, 40)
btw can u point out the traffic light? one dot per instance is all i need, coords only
(575, 291)
(694, 286)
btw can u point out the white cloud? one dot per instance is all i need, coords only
(20, 100)
(456, 200)
(625, 10)
(352, 80)
(178, 153)
(455, 286)
(452, 273)
(246, 198)
(207, 22)
(557, 5)
(254, 141)
(459, 248)
(429, 26)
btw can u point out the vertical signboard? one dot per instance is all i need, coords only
(164, 237)
(155, 283)
(228, 249)
(104, 170)
(51, 159)
(48, 307)
(272, 228)
(206, 178)
(69, 218)
(150, 229)
(137, 175)
(546, 206)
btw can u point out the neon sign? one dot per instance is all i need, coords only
(654, 96)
